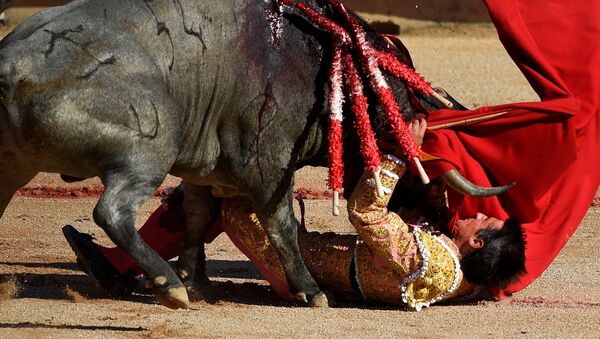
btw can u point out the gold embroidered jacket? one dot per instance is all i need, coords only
(411, 267)
(387, 262)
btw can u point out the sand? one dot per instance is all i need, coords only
(56, 299)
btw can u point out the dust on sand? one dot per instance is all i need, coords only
(8, 290)
(75, 296)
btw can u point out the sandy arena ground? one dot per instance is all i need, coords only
(55, 299)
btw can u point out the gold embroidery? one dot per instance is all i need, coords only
(328, 256)
(238, 214)
(442, 276)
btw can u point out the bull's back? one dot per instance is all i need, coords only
(80, 85)
(94, 73)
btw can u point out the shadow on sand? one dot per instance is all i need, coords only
(253, 292)
(31, 325)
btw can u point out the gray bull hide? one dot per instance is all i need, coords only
(226, 94)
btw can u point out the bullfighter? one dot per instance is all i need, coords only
(387, 261)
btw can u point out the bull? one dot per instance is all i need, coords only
(228, 95)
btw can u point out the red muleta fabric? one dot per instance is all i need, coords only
(550, 148)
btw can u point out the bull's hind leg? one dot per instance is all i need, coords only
(277, 215)
(124, 192)
(201, 210)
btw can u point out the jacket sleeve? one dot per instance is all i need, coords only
(383, 231)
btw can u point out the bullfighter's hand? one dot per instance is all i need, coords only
(417, 129)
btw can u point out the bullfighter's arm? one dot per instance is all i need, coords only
(383, 231)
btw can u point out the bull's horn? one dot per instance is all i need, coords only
(464, 186)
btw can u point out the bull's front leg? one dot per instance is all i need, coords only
(125, 190)
(201, 210)
(277, 216)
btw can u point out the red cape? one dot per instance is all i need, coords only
(550, 148)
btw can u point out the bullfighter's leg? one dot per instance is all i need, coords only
(281, 227)
(201, 210)
(125, 191)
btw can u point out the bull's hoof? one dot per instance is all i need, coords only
(321, 300)
(207, 294)
(201, 288)
(173, 298)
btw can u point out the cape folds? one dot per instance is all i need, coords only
(552, 147)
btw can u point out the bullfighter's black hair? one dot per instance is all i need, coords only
(501, 260)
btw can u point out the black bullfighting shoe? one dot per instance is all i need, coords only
(94, 264)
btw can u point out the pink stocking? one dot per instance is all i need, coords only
(164, 232)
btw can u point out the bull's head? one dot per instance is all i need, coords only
(412, 104)
(334, 19)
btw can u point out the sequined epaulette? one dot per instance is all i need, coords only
(439, 275)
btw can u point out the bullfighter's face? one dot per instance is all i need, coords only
(465, 231)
